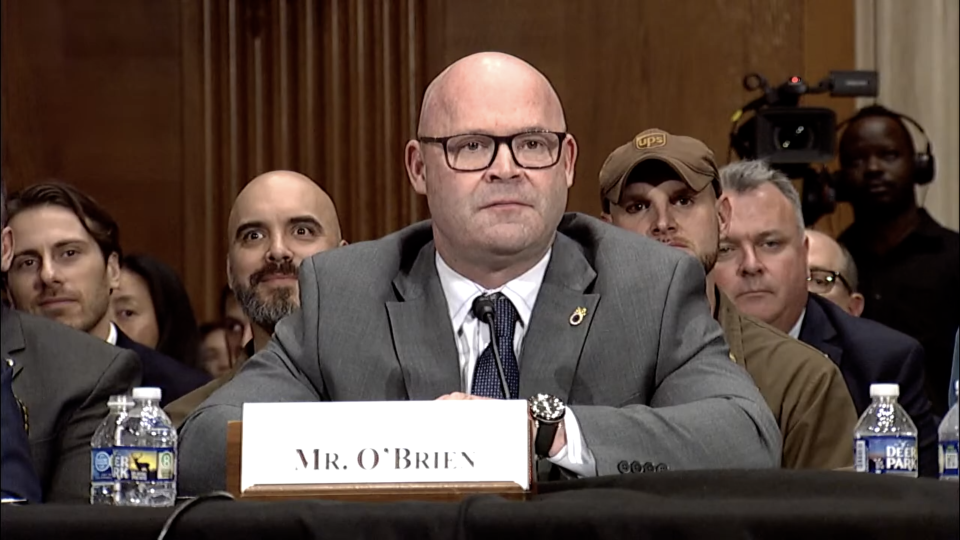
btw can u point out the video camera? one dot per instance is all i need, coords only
(790, 137)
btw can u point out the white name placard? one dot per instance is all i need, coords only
(385, 442)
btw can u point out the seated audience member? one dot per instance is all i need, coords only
(237, 325)
(833, 274)
(67, 265)
(909, 264)
(63, 378)
(18, 480)
(762, 266)
(667, 187)
(391, 319)
(152, 307)
(279, 219)
(952, 396)
(214, 353)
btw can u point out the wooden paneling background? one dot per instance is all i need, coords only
(163, 109)
(328, 89)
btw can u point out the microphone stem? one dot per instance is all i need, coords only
(496, 357)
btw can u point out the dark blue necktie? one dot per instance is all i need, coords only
(486, 380)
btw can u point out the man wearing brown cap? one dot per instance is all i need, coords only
(657, 185)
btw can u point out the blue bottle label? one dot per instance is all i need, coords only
(142, 464)
(886, 454)
(101, 465)
(948, 459)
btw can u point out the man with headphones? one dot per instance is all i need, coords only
(909, 264)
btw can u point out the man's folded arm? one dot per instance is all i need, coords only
(821, 422)
(706, 412)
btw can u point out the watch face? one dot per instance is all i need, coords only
(546, 408)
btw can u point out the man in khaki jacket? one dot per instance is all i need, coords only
(656, 185)
(277, 220)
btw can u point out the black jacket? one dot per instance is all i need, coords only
(868, 352)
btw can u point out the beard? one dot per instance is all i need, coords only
(266, 308)
(708, 260)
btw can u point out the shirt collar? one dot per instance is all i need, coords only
(795, 331)
(460, 291)
(112, 336)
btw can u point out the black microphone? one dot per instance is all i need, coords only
(483, 309)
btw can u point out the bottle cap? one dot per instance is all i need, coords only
(884, 390)
(116, 401)
(147, 392)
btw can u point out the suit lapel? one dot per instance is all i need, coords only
(422, 333)
(552, 345)
(11, 339)
(818, 331)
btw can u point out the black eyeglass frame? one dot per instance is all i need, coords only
(498, 141)
(834, 277)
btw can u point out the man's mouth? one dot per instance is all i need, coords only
(56, 301)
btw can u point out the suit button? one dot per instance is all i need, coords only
(635, 467)
(662, 467)
(648, 467)
(623, 467)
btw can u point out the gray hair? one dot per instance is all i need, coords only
(745, 176)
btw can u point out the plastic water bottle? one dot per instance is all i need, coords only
(145, 458)
(949, 434)
(885, 439)
(102, 482)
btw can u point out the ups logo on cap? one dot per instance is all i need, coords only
(651, 140)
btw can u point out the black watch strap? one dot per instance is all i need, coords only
(544, 438)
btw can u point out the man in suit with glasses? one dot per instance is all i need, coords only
(608, 326)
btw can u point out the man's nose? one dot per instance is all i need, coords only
(279, 251)
(663, 224)
(750, 264)
(504, 167)
(49, 272)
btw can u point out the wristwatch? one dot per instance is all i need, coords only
(547, 413)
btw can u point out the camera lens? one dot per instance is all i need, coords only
(793, 137)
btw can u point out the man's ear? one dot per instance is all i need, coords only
(416, 168)
(113, 271)
(343, 243)
(7, 241)
(724, 209)
(570, 158)
(229, 266)
(856, 304)
(605, 216)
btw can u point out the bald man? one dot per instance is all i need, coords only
(279, 219)
(605, 333)
(833, 274)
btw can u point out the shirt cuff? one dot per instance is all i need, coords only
(575, 456)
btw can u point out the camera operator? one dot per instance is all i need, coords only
(909, 264)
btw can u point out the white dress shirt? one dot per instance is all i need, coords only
(795, 331)
(112, 336)
(473, 336)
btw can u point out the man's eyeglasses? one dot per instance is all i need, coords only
(823, 281)
(475, 152)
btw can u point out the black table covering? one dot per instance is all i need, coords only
(715, 504)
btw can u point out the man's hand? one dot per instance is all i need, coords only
(460, 396)
(559, 440)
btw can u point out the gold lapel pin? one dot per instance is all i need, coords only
(578, 315)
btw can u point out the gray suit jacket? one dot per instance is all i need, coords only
(647, 373)
(63, 378)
